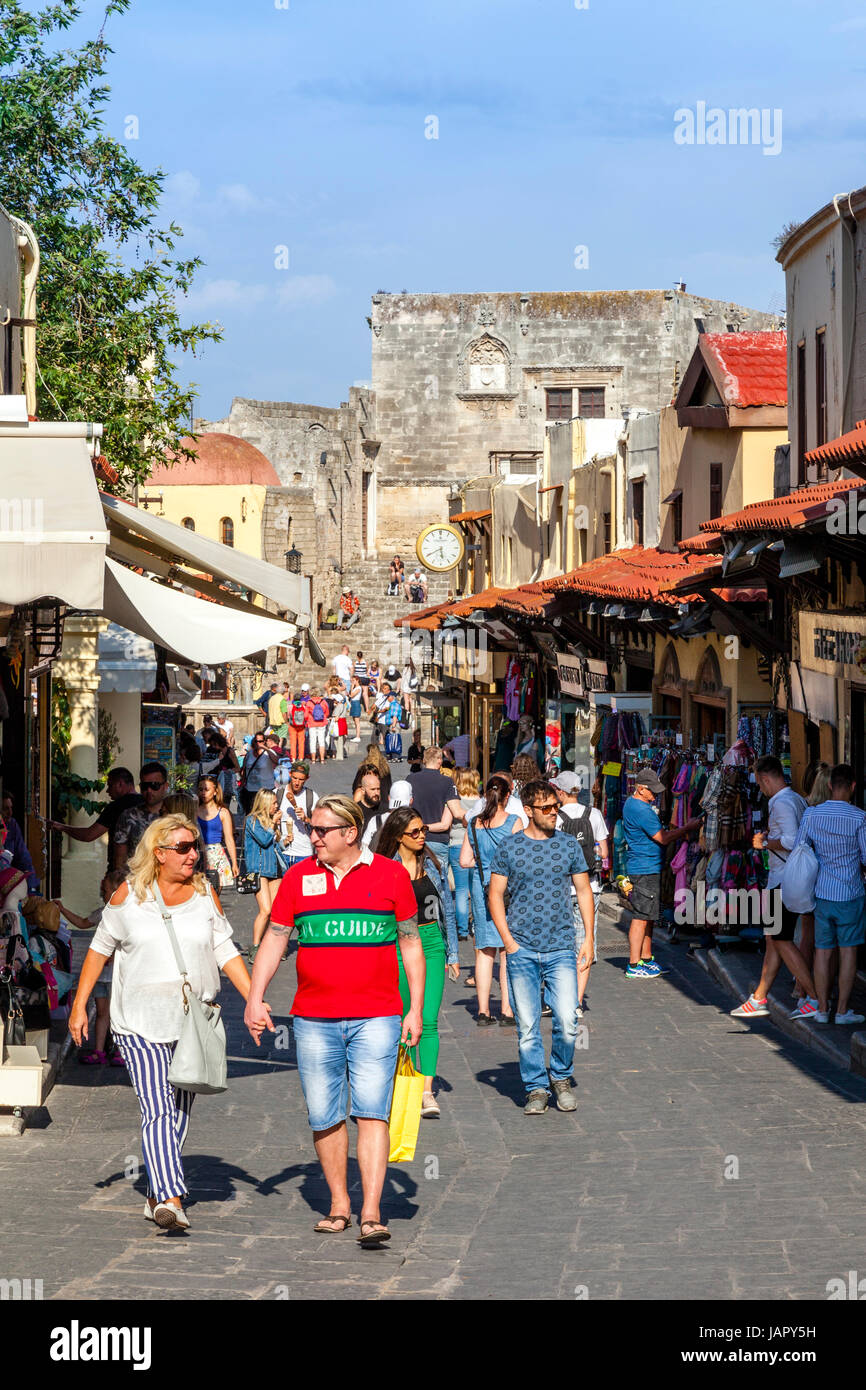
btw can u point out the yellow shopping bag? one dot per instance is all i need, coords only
(405, 1119)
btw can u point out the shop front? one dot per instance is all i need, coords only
(831, 691)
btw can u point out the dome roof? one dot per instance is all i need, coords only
(222, 460)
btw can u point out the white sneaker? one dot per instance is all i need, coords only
(807, 1008)
(169, 1217)
(819, 1017)
(850, 1017)
(148, 1210)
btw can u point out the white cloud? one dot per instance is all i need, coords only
(238, 196)
(226, 294)
(183, 185)
(306, 289)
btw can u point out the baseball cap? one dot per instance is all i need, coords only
(568, 782)
(400, 795)
(305, 687)
(647, 778)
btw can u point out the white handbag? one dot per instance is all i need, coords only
(799, 877)
(199, 1061)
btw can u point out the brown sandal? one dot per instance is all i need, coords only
(377, 1236)
(327, 1231)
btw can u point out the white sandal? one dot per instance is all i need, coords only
(168, 1217)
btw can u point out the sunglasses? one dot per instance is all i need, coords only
(547, 809)
(185, 848)
(324, 829)
(416, 834)
(151, 786)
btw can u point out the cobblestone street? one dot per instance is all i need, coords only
(705, 1161)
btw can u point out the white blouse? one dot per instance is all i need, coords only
(146, 997)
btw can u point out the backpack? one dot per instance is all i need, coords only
(299, 716)
(319, 711)
(580, 827)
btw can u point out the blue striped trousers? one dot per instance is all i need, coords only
(164, 1113)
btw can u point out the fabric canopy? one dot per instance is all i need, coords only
(194, 630)
(52, 531)
(144, 530)
(127, 662)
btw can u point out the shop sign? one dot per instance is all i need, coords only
(580, 676)
(833, 643)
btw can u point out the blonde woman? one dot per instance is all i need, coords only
(467, 784)
(262, 856)
(146, 994)
(217, 832)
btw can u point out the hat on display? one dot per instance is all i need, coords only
(567, 782)
(647, 778)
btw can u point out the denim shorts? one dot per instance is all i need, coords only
(839, 924)
(335, 1054)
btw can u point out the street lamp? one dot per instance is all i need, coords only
(293, 560)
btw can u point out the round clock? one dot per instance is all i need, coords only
(440, 546)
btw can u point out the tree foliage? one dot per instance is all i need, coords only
(109, 330)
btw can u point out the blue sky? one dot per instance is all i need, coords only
(305, 127)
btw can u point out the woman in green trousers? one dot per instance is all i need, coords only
(403, 837)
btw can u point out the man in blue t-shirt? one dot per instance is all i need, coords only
(645, 839)
(538, 867)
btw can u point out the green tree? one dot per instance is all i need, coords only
(109, 332)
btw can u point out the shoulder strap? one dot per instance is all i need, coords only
(473, 833)
(166, 917)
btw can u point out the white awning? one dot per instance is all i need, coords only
(166, 541)
(196, 631)
(52, 531)
(127, 662)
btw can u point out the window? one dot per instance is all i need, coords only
(715, 490)
(677, 518)
(801, 413)
(188, 523)
(637, 511)
(559, 405)
(821, 387)
(591, 400)
(227, 531)
(606, 527)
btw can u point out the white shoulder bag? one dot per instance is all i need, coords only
(199, 1061)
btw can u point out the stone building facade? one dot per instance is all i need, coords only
(324, 458)
(465, 384)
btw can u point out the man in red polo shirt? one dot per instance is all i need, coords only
(352, 910)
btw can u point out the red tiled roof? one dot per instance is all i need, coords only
(635, 574)
(105, 471)
(847, 451)
(751, 368)
(786, 513)
(221, 460)
(471, 516)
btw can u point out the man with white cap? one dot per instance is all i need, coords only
(401, 795)
(589, 828)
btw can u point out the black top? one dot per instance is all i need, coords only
(430, 793)
(427, 899)
(110, 815)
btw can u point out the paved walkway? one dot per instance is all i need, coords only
(705, 1161)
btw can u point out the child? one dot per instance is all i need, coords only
(102, 990)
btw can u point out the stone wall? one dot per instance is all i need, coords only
(459, 378)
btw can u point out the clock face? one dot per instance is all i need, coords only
(440, 548)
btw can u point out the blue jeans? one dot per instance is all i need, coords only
(335, 1053)
(441, 852)
(461, 892)
(557, 971)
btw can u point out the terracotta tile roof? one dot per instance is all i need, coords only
(105, 471)
(471, 516)
(700, 545)
(752, 368)
(635, 575)
(848, 451)
(786, 513)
